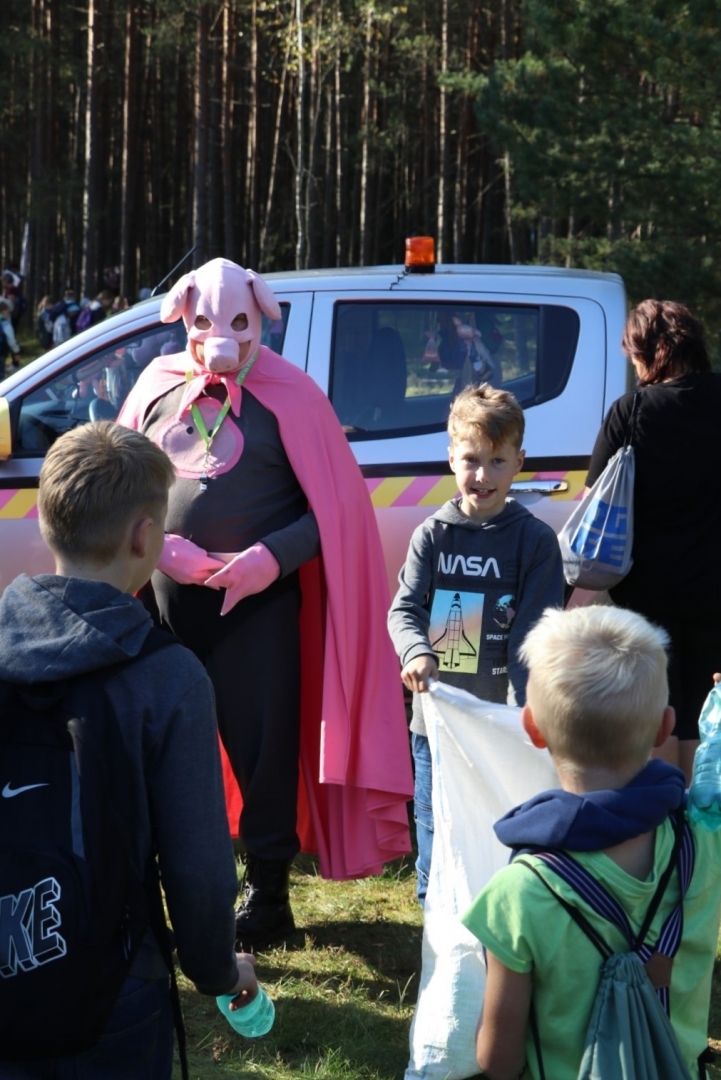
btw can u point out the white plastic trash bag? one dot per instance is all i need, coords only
(483, 765)
(597, 539)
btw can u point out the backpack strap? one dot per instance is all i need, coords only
(681, 833)
(628, 441)
(607, 907)
(669, 938)
(580, 919)
(587, 887)
(164, 938)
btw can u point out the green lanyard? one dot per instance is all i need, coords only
(197, 416)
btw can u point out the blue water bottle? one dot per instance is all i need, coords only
(704, 797)
(252, 1020)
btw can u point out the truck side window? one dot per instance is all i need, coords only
(93, 388)
(396, 366)
(272, 333)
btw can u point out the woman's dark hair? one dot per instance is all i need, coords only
(667, 338)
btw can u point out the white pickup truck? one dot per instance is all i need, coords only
(390, 348)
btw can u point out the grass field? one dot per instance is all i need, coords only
(344, 988)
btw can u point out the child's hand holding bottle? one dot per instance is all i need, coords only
(248, 1009)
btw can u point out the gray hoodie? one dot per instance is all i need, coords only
(469, 592)
(53, 628)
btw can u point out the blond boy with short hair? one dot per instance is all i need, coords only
(597, 697)
(102, 503)
(478, 574)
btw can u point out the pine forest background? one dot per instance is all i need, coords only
(298, 133)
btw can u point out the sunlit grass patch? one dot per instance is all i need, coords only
(344, 987)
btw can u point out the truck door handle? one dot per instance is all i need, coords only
(539, 487)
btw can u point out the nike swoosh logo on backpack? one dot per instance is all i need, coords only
(10, 793)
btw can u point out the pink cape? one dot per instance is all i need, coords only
(355, 770)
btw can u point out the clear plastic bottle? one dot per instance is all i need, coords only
(252, 1020)
(704, 797)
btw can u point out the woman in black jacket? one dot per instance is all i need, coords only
(675, 580)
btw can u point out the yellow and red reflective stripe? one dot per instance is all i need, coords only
(384, 491)
(435, 490)
(22, 503)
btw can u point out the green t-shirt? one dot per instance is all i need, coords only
(518, 920)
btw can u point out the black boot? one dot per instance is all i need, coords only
(264, 914)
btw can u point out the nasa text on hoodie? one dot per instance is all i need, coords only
(469, 592)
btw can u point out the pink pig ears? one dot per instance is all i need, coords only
(263, 294)
(175, 302)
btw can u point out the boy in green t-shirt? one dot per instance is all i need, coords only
(597, 697)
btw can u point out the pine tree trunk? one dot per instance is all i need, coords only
(300, 244)
(227, 130)
(251, 165)
(442, 137)
(40, 228)
(90, 268)
(340, 224)
(507, 167)
(133, 83)
(72, 265)
(277, 131)
(316, 102)
(214, 178)
(365, 152)
(327, 228)
(200, 155)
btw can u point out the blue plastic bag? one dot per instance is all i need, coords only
(597, 539)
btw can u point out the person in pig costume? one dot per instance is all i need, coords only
(273, 574)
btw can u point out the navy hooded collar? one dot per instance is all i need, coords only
(597, 819)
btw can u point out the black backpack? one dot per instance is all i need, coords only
(72, 910)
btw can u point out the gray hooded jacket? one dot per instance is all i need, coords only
(54, 628)
(469, 592)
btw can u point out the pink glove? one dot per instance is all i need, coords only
(250, 572)
(185, 562)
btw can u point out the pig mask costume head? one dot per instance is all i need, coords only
(220, 304)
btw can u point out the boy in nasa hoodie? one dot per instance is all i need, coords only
(478, 574)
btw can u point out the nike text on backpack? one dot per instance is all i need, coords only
(629, 1034)
(72, 911)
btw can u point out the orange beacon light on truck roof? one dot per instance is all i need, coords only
(420, 255)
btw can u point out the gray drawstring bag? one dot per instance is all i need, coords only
(629, 1034)
(597, 540)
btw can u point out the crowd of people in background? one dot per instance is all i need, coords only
(56, 320)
